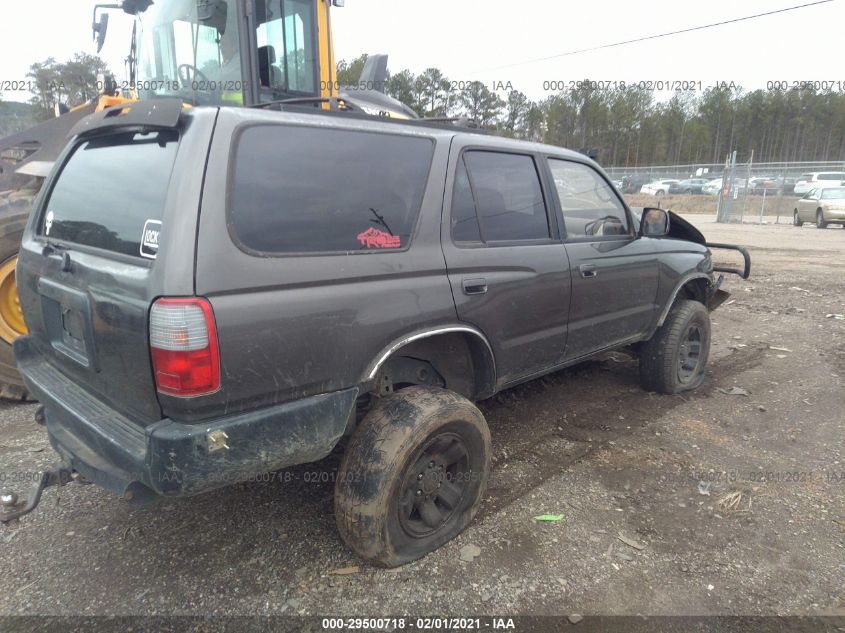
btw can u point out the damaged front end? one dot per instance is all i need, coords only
(680, 229)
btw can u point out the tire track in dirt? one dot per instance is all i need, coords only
(589, 424)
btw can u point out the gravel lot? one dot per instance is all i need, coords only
(725, 504)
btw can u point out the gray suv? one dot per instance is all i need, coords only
(212, 294)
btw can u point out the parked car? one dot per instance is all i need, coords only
(818, 179)
(688, 186)
(786, 185)
(633, 184)
(761, 185)
(245, 312)
(658, 187)
(825, 205)
(713, 187)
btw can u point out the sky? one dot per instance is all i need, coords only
(486, 40)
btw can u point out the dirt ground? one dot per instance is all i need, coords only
(709, 503)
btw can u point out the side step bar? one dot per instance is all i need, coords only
(746, 273)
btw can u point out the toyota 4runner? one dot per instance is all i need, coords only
(212, 294)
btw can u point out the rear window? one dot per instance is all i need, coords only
(111, 192)
(832, 176)
(310, 190)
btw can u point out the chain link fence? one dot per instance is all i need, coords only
(735, 192)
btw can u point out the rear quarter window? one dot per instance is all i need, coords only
(311, 190)
(111, 193)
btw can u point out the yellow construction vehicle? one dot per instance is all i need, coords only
(252, 53)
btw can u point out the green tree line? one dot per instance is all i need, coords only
(71, 82)
(627, 126)
(631, 127)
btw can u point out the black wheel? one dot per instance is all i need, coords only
(796, 221)
(675, 358)
(412, 476)
(820, 221)
(13, 217)
(661, 192)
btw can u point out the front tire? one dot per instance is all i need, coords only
(412, 476)
(675, 359)
(820, 221)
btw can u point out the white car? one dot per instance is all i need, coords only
(713, 187)
(818, 179)
(658, 187)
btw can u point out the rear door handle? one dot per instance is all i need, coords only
(474, 286)
(588, 270)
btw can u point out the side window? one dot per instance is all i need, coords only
(507, 195)
(311, 190)
(464, 218)
(590, 208)
(286, 48)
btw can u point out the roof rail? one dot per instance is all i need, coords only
(309, 105)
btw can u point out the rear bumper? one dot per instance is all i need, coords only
(834, 215)
(168, 458)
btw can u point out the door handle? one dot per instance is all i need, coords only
(474, 286)
(588, 270)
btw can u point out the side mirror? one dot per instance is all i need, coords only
(100, 28)
(655, 223)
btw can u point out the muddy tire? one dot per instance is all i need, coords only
(412, 476)
(820, 221)
(675, 359)
(13, 217)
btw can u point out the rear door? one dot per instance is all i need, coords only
(507, 266)
(614, 274)
(92, 259)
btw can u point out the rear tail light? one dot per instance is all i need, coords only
(183, 346)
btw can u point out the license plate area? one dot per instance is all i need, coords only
(67, 321)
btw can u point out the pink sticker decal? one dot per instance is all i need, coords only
(373, 238)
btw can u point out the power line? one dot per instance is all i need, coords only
(660, 35)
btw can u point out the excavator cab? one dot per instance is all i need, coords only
(233, 52)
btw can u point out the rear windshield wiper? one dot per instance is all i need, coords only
(53, 246)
